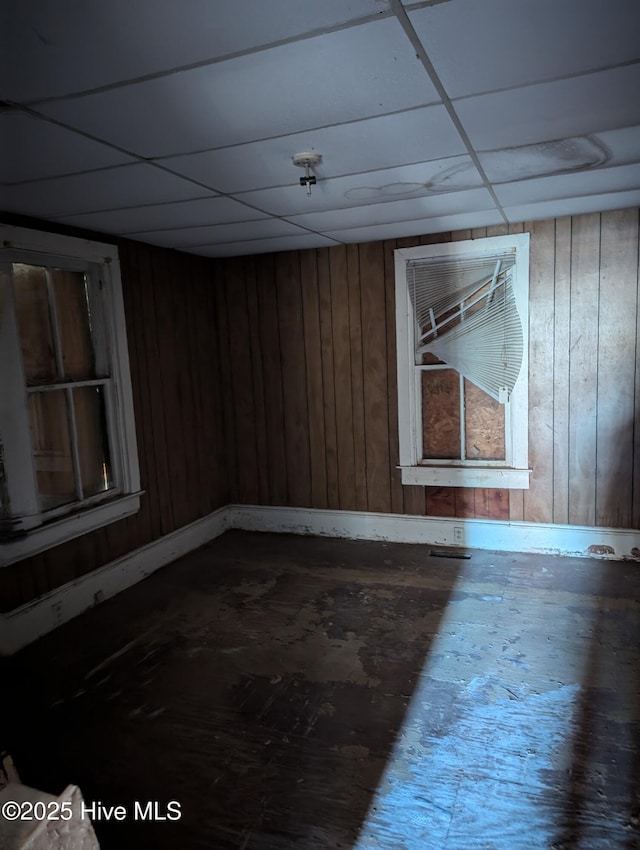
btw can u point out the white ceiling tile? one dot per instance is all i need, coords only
(408, 181)
(434, 224)
(573, 206)
(579, 106)
(341, 76)
(127, 185)
(577, 153)
(265, 246)
(189, 237)
(490, 45)
(45, 45)
(202, 211)
(405, 137)
(31, 148)
(622, 145)
(598, 181)
(391, 211)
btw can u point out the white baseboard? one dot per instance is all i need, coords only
(495, 535)
(25, 624)
(29, 622)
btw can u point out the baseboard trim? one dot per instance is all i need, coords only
(25, 624)
(494, 535)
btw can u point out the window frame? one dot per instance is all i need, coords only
(33, 529)
(514, 471)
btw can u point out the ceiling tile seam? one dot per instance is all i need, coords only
(426, 105)
(213, 60)
(159, 160)
(57, 123)
(545, 80)
(138, 160)
(258, 239)
(590, 194)
(128, 232)
(421, 53)
(67, 174)
(146, 206)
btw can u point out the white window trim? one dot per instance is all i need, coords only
(514, 472)
(126, 500)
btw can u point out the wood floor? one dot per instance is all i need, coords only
(307, 693)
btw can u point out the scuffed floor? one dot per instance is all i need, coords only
(308, 693)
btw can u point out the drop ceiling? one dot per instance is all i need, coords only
(175, 123)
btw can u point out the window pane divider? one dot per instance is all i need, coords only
(463, 426)
(75, 454)
(53, 311)
(90, 382)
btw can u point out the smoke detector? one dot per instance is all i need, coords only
(307, 160)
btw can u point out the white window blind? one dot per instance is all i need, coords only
(466, 315)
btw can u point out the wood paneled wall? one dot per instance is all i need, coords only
(308, 353)
(272, 380)
(170, 307)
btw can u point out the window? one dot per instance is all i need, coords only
(68, 457)
(461, 320)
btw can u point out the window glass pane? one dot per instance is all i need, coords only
(484, 425)
(34, 323)
(440, 414)
(50, 436)
(93, 445)
(74, 324)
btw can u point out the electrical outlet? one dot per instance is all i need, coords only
(457, 534)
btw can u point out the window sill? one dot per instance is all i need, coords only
(466, 476)
(59, 531)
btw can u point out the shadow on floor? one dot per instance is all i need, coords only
(260, 682)
(602, 797)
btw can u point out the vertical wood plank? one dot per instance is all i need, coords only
(260, 420)
(583, 368)
(328, 372)
(147, 520)
(492, 503)
(561, 345)
(635, 507)
(242, 381)
(342, 376)
(357, 381)
(376, 403)
(616, 368)
(186, 455)
(464, 502)
(292, 351)
(155, 378)
(414, 497)
(272, 379)
(197, 365)
(440, 501)
(164, 282)
(226, 388)
(538, 499)
(397, 497)
(214, 402)
(516, 497)
(314, 380)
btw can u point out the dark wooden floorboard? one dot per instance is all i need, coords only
(315, 694)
